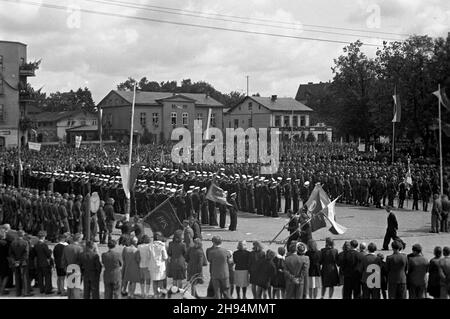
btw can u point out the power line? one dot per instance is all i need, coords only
(263, 20)
(299, 28)
(110, 14)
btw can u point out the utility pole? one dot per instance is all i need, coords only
(247, 84)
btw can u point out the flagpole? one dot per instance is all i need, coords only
(130, 155)
(440, 143)
(393, 141)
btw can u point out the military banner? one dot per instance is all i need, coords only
(78, 141)
(129, 178)
(163, 219)
(217, 194)
(317, 202)
(34, 146)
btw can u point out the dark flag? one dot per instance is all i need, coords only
(316, 203)
(163, 219)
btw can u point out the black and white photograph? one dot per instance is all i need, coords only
(245, 152)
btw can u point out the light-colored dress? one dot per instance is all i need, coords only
(144, 261)
(158, 257)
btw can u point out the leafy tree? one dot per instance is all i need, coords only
(80, 99)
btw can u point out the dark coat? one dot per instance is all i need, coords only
(396, 266)
(43, 254)
(112, 262)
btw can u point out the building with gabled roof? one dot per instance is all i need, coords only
(288, 115)
(158, 113)
(55, 126)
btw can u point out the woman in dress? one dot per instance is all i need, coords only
(314, 275)
(279, 284)
(329, 269)
(241, 258)
(196, 260)
(158, 257)
(265, 275)
(256, 255)
(130, 266)
(177, 261)
(433, 287)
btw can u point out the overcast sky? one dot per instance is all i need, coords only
(101, 51)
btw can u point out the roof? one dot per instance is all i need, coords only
(83, 128)
(279, 104)
(305, 91)
(56, 116)
(143, 97)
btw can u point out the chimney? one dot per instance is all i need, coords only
(274, 97)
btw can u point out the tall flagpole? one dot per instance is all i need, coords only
(440, 143)
(393, 141)
(128, 208)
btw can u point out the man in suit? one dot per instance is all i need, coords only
(233, 212)
(90, 271)
(296, 272)
(352, 277)
(71, 256)
(44, 264)
(19, 252)
(219, 260)
(417, 271)
(367, 266)
(392, 227)
(110, 216)
(444, 273)
(396, 267)
(112, 262)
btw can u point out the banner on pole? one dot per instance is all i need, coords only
(163, 219)
(34, 146)
(129, 177)
(78, 141)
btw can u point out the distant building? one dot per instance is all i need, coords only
(15, 93)
(158, 113)
(307, 93)
(291, 117)
(64, 126)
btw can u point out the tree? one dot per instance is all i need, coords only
(80, 99)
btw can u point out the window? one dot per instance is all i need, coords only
(184, 106)
(70, 123)
(250, 106)
(82, 122)
(286, 121)
(1, 61)
(174, 106)
(1, 84)
(174, 118)
(110, 119)
(259, 106)
(143, 119)
(94, 122)
(236, 123)
(185, 118)
(22, 61)
(277, 120)
(239, 108)
(295, 121)
(213, 120)
(250, 122)
(302, 121)
(200, 116)
(155, 119)
(2, 113)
